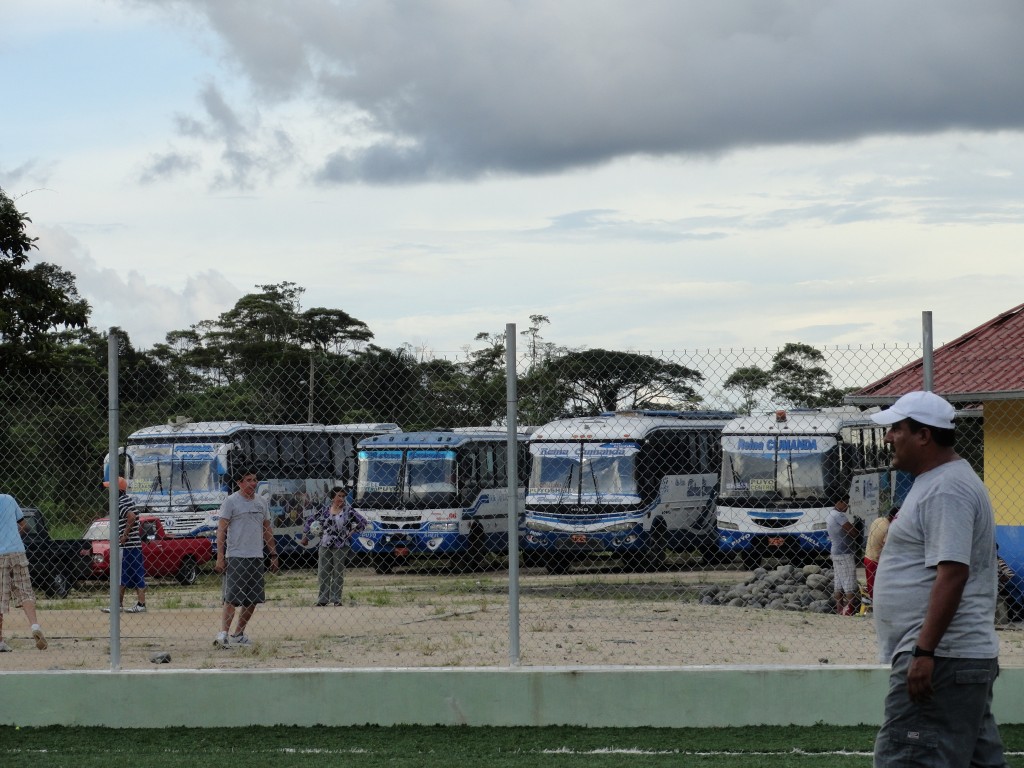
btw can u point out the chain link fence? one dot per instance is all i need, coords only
(625, 552)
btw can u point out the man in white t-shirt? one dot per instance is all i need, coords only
(843, 537)
(935, 599)
(243, 530)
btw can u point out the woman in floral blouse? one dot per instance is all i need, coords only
(338, 523)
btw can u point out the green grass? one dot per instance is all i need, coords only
(427, 747)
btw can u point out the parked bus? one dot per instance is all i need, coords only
(782, 473)
(437, 493)
(182, 471)
(631, 483)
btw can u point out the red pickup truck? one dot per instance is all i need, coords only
(163, 554)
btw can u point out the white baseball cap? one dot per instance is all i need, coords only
(925, 407)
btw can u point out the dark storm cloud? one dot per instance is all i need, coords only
(464, 89)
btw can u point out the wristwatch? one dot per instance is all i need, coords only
(919, 651)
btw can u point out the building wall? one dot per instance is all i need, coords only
(1004, 449)
(1004, 453)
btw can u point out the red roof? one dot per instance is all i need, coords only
(984, 364)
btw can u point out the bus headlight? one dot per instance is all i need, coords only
(535, 525)
(618, 527)
(366, 542)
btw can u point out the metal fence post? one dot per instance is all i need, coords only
(927, 360)
(513, 494)
(113, 473)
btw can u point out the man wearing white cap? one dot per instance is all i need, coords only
(935, 599)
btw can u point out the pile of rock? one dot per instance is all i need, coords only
(786, 588)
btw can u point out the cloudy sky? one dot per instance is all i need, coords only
(649, 174)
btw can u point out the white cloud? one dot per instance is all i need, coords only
(128, 299)
(650, 176)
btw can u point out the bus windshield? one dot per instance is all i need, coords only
(158, 470)
(583, 472)
(759, 469)
(393, 479)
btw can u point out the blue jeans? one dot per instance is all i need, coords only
(954, 728)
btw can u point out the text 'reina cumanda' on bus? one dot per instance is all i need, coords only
(183, 471)
(437, 493)
(783, 471)
(629, 484)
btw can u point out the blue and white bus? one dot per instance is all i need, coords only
(631, 483)
(182, 471)
(782, 473)
(436, 493)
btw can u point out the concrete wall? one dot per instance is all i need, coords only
(524, 696)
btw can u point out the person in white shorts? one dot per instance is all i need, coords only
(844, 537)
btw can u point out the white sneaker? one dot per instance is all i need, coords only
(106, 609)
(37, 633)
(221, 641)
(137, 608)
(4, 647)
(241, 639)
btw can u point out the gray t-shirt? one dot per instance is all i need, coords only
(245, 524)
(947, 516)
(842, 542)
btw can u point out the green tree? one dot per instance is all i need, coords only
(597, 380)
(278, 362)
(537, 347)
(750, 381)
(36, 301)
(799, 378)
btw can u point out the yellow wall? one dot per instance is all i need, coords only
(1004, 459)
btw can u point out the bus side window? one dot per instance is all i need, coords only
(318, 451)
(488, 468)
(523, 464)
(290, 448)
(469, 475)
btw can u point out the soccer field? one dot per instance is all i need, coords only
(430, 747)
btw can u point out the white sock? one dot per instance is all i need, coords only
(35, 627)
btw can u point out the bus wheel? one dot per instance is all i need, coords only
(382, 563)
(654, 557)
(709, 550)
(476, 551)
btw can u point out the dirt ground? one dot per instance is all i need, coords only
(430, 620)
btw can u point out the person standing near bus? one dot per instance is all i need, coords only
(338, 523)
(935, 599)
(14, 579)
(877, 532)
(133, 568)
(244, 528)
(843, 536)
